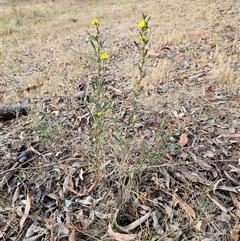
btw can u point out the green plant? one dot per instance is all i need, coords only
(100, 100)
(44, 130)
(138, 87)
(142, 49)
(186, 48)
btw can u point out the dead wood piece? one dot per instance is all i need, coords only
(22, 158)
(10, 111)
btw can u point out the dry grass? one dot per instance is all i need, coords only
(40, 38)
(193, 87)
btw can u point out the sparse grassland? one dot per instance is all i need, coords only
(153, 154)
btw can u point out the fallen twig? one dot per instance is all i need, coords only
(9, 112)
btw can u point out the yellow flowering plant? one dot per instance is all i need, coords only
(142, 49)
(99, 99)
(100, 106)
(100, 58)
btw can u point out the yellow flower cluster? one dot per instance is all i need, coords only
(100, 113)
(104, 56)
(141, 24)
(94, 21)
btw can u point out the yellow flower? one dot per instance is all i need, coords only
(141, 24)
(94, 21)
(100, 113)
(143, 38)
(104, 56)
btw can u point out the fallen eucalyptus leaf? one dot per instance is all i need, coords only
(183, 140)
(119, 236)
(185, 206)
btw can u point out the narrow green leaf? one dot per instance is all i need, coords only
(145, 53)
(93, 45)
(140, 89)
(137, 45)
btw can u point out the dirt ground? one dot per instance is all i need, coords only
(173, 175)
